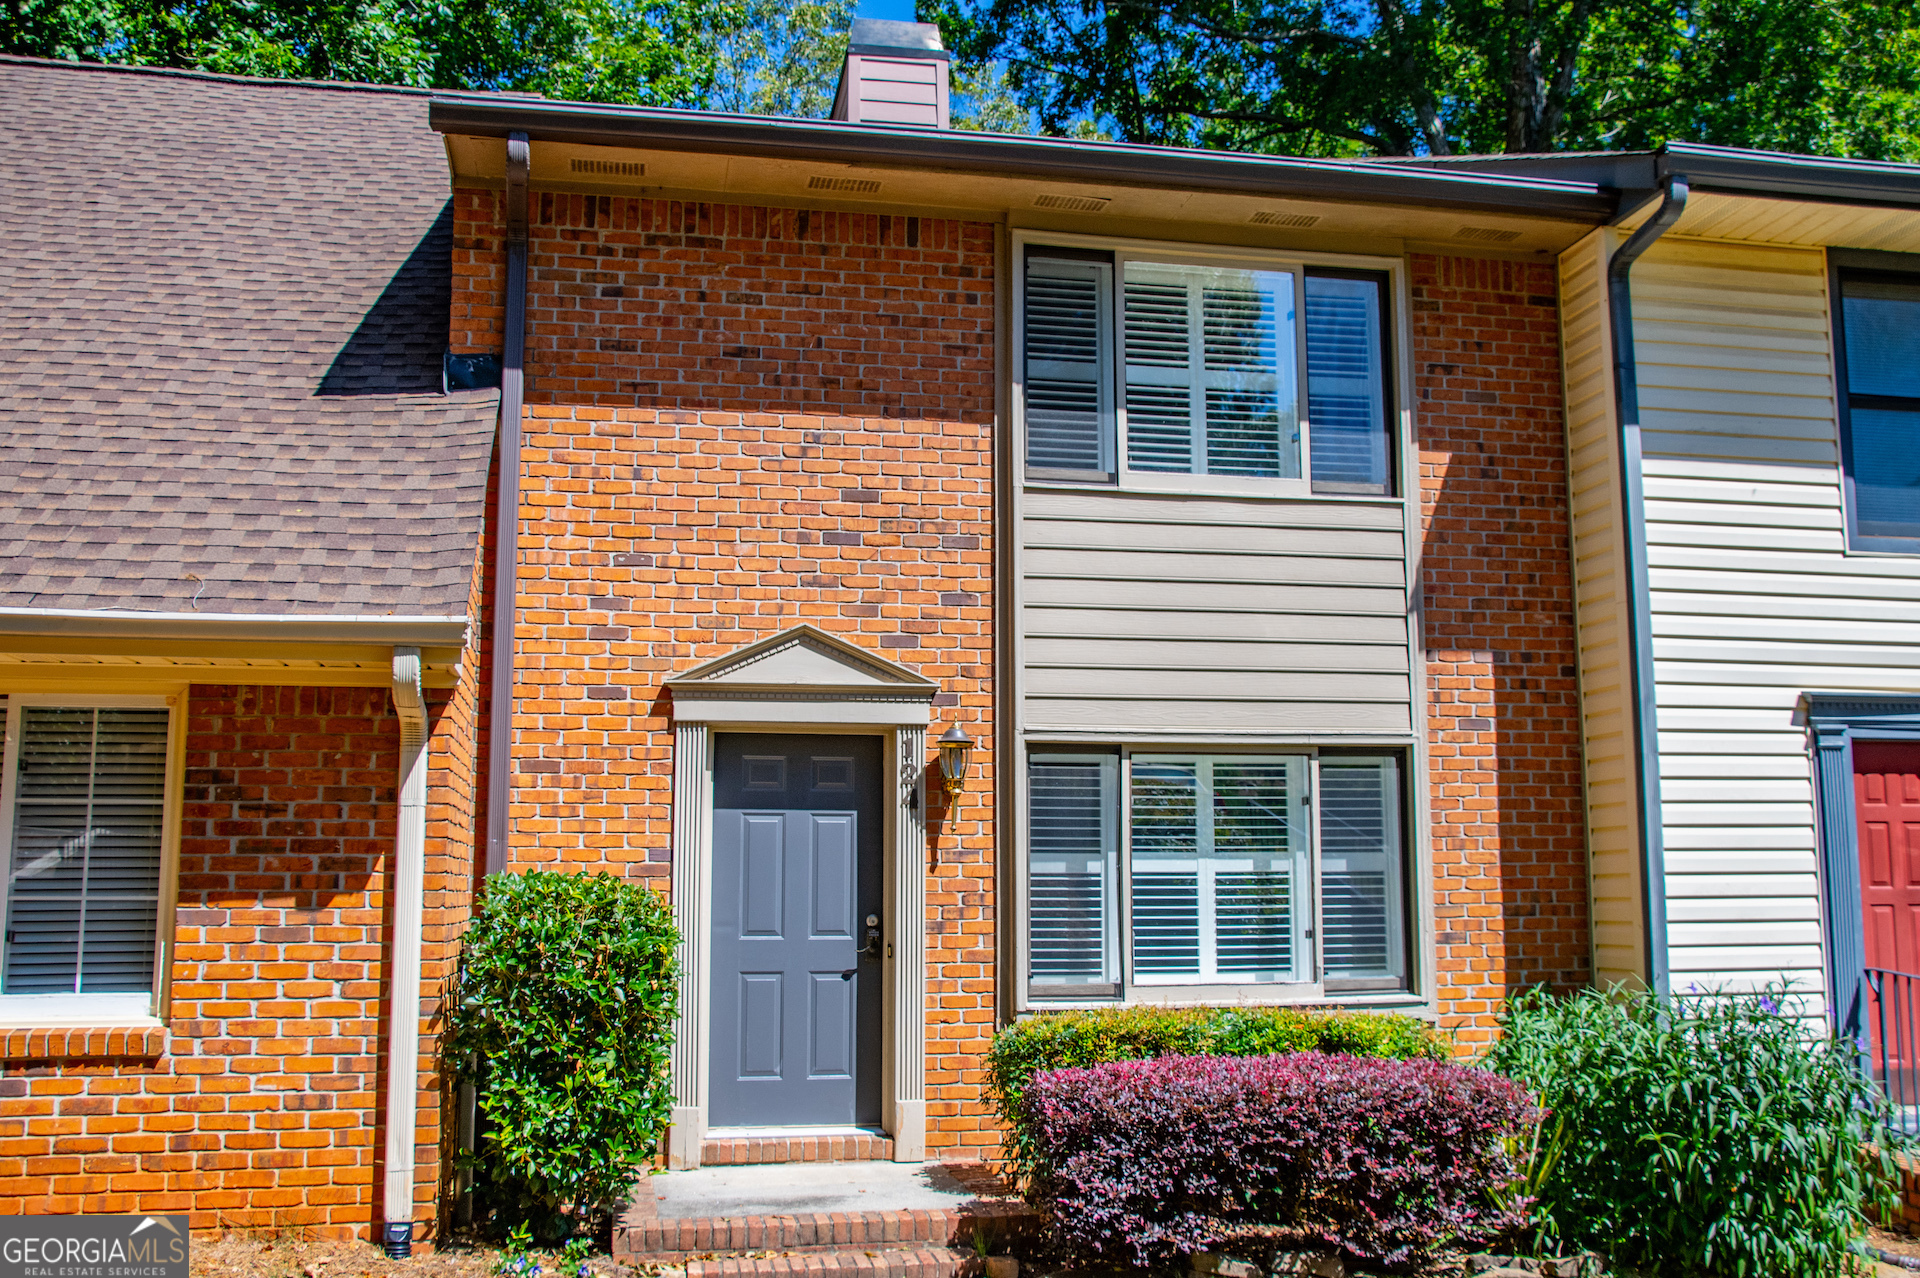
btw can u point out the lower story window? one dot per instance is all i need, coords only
(1213, 876)
(83, 835)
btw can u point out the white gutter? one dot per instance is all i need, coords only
(409, 875)
(425, 631)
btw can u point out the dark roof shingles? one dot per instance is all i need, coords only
(221, 317)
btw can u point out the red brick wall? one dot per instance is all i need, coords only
(741, 419)
(1508, 834)
(261, 1107)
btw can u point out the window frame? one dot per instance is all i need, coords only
(1389, 271)
(1412, 921)
(1844, 266)
(99, 1011)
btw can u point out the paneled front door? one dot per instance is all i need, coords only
(1886, 798)
(797, 895)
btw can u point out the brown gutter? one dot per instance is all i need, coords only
(506, 510)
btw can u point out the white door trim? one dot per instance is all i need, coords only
(835, 688)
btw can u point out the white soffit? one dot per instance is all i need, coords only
(1712, 215)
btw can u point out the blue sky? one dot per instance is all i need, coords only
(898, 10)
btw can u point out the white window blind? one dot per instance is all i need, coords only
(1218, 883)
(1073, 849)
(1346, 381)
(1360, 867)
(83, 883)
(1069, 365)
(1210, 371)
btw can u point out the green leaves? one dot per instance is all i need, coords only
(562, 1020)
(1063, 1040)
(1702, 1135)
(1408, 77)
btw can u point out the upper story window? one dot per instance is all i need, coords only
(1879, 366)
(1186, 375)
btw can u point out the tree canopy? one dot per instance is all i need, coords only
(765, 57)
(1444, 77)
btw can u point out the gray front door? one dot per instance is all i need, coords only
(796, 978)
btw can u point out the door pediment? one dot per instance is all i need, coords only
(802, 675)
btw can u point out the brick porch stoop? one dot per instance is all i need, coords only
(907, 1243)
(741, 1151)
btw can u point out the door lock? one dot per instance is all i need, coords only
(872, 948)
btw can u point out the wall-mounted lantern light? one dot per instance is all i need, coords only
(956, 755)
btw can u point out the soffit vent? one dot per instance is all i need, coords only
(1270, 217)
(1486, 235)
(1072, 203)
(857, 186)
(610, 168)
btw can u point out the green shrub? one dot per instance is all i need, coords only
(1065, 1040)
(1699, 1135)
(562, 1020)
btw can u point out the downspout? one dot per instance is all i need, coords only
(506, 509)
(403, 1019)
(1646, 728)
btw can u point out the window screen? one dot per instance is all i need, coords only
(83, 886)
(1073, 850)
(1218, 885)
(1069, 365)
(1346, 385)
(1360, 869)
(1210, 371)
(1880, 324)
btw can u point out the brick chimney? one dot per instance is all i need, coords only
(895, 73)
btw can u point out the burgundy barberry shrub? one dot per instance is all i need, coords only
(1139, 1162)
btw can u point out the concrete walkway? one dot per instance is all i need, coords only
(790, 1189)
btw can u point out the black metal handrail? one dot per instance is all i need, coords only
(1893, 1039)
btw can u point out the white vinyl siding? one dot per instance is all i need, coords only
(86, 833)
(1755, 599)
(1153, 613)
(1601, 593)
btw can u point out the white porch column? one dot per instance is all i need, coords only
(692, 767)
(907, 926)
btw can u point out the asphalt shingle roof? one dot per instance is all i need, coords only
(223, 304)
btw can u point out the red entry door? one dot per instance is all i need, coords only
(1886, 801)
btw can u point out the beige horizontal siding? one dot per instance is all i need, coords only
(1157, 613)
(1613, 839)
(1754, 599)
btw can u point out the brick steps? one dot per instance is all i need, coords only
(667, 1240)
(740, 1151)
(903, 1262)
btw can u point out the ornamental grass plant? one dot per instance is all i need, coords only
(562, 1019)
(1699, 1135)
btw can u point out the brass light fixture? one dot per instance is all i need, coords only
(956, 756)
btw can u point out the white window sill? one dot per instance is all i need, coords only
(78, 1011)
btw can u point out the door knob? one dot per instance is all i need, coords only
(872, 948)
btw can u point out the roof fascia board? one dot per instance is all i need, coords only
(419, 631)
(1058, 159)
(1795, 177)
